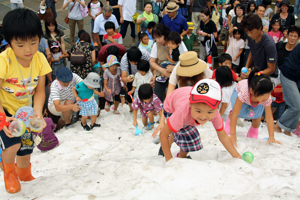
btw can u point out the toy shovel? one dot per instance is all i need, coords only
(138, 131)
(131, 96)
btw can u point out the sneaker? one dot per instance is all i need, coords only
(86, 127)
(147, 128)
(95, 125)
(150, 125)
(160, 152)
(296, 17)
(161, 79)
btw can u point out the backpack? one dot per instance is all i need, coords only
(77, 57)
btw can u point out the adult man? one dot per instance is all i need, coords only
(100, 22)
(262, 48)
(196, 7)
(61, 100)
(261, 12)
(111, 49)
(176, 22)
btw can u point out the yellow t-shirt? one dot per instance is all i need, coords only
(13, 94)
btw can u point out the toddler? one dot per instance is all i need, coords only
(190, 38)
(57, 60)
(145, 42)
(236, 47)
(112, 36)
(48, 138)
(149, 29)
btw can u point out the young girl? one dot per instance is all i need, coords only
(225, 79)
(149, 104)
(251, 7)
(57, 59)
(275, 33)
(143, 75)
(236, 47)
(95, 8)
(112, 83)
(188, 107)
(145, 43)
(285, 35)
(250, 98)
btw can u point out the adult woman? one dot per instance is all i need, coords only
(286, 19)
(54, 34)
(231, 12)
(87, 48)
(146, 17)
(207, 27)
(74, 15)
(115, 7)
(159, 53)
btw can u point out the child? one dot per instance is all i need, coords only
(149, 29)
(279, 104)
(224, 31)
(190, 38)
(22, 30)
(112, 83)
(226, 60)
(112, 36)
(49, 140)
(84, 94)
(145, 43)
(57, 60)
(236, 47)
(149, 104)
(250, 98)
(174, 40)
(269, 10)
(95, 8)
(251, 7)
(285, 35)
(224, 78)
(275, 33)
(143, 75)
(188, 107)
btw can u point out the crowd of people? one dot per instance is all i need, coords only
(162, 74)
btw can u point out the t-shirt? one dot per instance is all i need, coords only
(124, 62)
(232, 13)
(100, 22)
(291, 66)
(264, 52)
(267, 14)
(276, 36)
(189, 41)
(83, 91)
(95, 8)
(182, 48)
(175, 54)
(128, 9)
(226, 97)
(265, 22)
(75, 14)
(199, 5)
(139, 80)
(102, 54)
(234, 48)
(277, 93)
(43, 46)
(209, 28)
(117, 38)
(13, 93)
(178, 24)
(178, 103)
(146, 47)
(57, 37)
(245, 97)
(154, 104)
(234, 76)
(282, 52)
(59, 92)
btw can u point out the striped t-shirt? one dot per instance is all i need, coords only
(59, 92)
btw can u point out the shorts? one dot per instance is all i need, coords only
(129, 86)
(122, 92)
(53, 110)
(26, 141)
(116, 98)
(187, 138)
(88, 108)
(224, 35)
(247, 111)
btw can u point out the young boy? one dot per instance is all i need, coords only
(188, 107)
(112, 36)
(27, 67)
(226, 60)
(149, 29)
(84, 94)
(190, 38)
(174, 40)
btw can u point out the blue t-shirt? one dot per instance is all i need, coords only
(83, 91)
(177, 24)
(291, 65)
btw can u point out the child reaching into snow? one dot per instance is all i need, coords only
(49, 140)
(250, 98)
(149, 104)
(188, 107)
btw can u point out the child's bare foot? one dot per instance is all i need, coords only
(287, 133)
(277, 129)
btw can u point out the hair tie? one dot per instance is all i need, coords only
(259, 73)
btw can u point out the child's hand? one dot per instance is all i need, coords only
(125, 87)
(233, 139)
(273, 141)
(130, 92)
(61, 57)
(135, 123)
(40, 116)
(78, 99)
(159, 128)
(129, 79)
(5, 128)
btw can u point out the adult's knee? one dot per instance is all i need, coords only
(68, 102)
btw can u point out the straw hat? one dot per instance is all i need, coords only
(190, 65)
(171, 7)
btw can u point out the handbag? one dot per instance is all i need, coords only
(48, 14)
(67, 17)
(84, 11)
(211, 47)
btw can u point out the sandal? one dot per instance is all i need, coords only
(107, 107)
(116, 112)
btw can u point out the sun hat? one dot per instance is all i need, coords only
(171, 7)
(286, 2)
(54, 44)
(190, 65)
(207, 91)
(191, 25)
(92, 80)
(111, 60)
(64, 74)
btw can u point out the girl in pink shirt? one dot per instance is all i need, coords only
(275, 33)
(250, 98)
(188, 107)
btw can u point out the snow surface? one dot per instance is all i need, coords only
(111, 163)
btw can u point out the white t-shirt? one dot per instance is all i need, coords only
(100, 22)
(182, 48)
(232, 13)
(226, 97)
(173, 77)
(234, 48)
(128, 9)
(95, 8)
(139, 80)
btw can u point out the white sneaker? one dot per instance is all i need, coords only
(296, 17)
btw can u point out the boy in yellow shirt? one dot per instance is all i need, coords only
(22, 74)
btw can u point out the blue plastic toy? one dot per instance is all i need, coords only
(248, 157)
(245, 70)
(138, 131)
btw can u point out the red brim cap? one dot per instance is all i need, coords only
(204, 99)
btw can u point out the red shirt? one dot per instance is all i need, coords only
(102, 55)
(277, 92)
(234, 76)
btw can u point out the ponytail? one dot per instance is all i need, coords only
(260, 84)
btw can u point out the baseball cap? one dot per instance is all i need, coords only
(207, 91)
(64, 74)
(54, 44)
(191, 25)
(92, 80)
